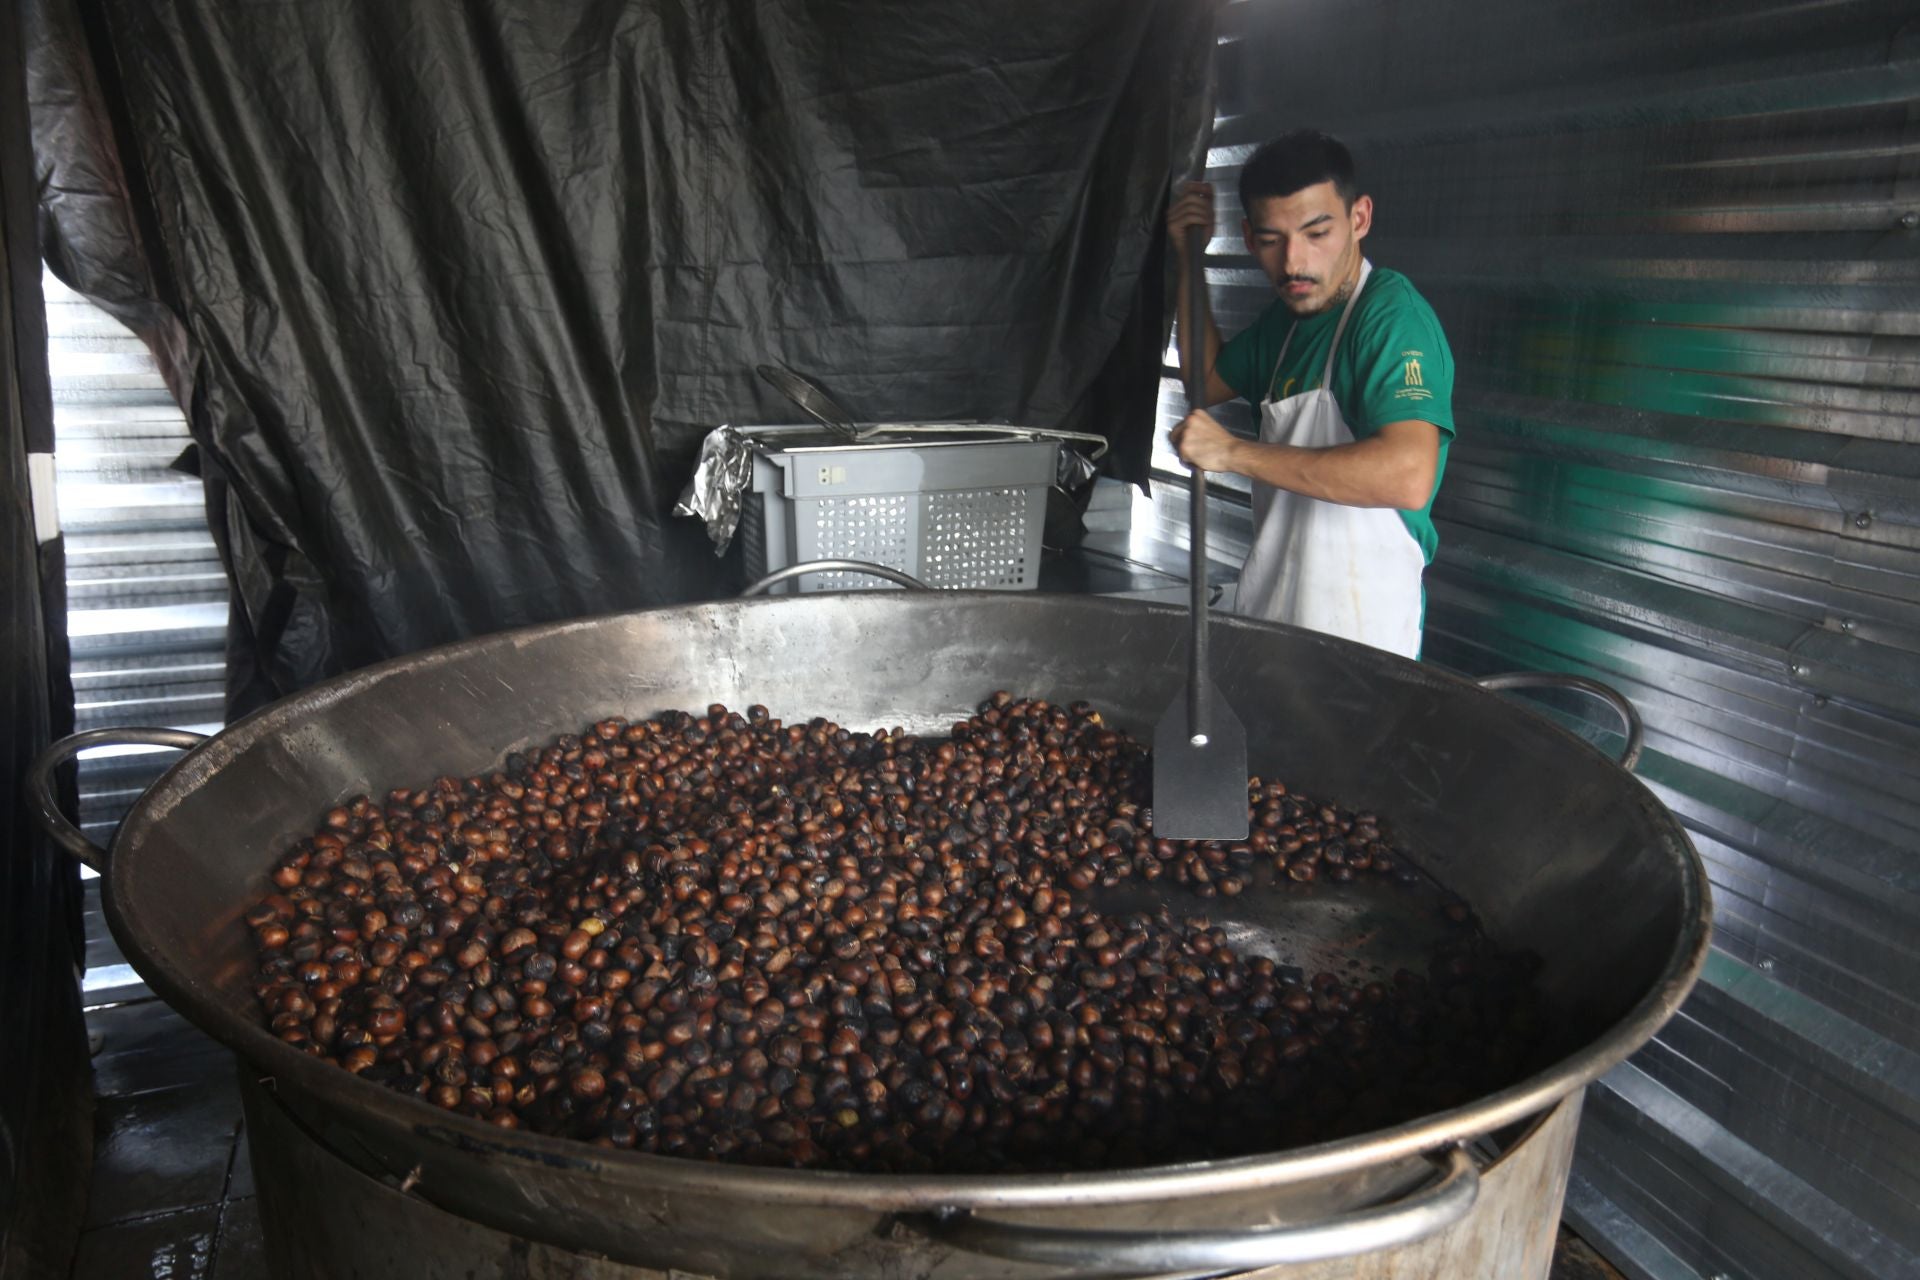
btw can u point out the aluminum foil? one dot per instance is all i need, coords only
(1072, 468)
(719, 485)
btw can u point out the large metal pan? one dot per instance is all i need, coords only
(1557, 848)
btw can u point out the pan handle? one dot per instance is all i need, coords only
(779, 576)
(39, 781)
(1091, 1254)
(1629, 718)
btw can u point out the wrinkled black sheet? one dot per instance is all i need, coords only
(45, 1107)
(452, 291)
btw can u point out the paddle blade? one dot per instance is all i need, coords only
(1200, 789)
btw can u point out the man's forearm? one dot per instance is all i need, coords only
(1375, 472)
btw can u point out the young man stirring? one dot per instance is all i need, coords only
(1352, 379)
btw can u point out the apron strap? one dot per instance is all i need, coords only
(1326, 375)
(1280, 359)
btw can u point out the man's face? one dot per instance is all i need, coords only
(1308, 243)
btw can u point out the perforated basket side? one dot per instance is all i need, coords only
(967, 516)
(876, 527)
(982, 539)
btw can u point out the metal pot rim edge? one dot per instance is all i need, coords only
(891, 1192)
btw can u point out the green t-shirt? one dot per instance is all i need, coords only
(1394, 364)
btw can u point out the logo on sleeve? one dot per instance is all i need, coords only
(1413, 380)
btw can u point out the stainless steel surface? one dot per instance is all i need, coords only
(1508, 1234)
(1629, 718)
(792, 571)
(323, 1219)
(38, 783)
(1473, 787)
(1671, 249)
(1100, 1255)
(813, 400)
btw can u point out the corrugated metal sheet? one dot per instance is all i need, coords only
(1677, 251)
(146, 597)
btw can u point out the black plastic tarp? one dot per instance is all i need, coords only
(452, 291)
(45, 1122)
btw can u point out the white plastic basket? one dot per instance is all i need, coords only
(958, 506)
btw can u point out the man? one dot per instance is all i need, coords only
(1353, 382)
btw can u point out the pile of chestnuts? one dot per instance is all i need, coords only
(726, 937)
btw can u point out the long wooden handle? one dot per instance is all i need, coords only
(1193, 346)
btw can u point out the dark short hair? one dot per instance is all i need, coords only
(1295, 161)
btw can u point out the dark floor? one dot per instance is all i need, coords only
(172, 1195)
(172, 1192)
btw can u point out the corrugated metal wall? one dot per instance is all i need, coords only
(1677, 250)
(146, 597)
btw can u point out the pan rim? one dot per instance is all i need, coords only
(203, 1005)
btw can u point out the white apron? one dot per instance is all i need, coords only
(1347, 571)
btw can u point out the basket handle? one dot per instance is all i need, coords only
(805, 567)
(1097, 445)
